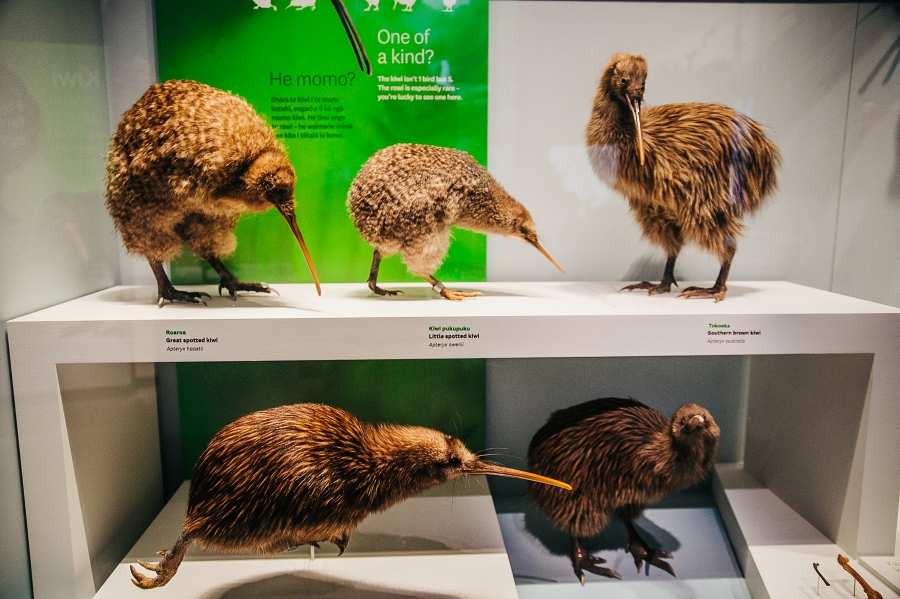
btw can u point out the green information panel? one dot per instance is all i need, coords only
(293, 61)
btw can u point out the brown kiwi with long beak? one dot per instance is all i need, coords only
(690, 171)
(184, 163)
(406, 197)
(307, 473)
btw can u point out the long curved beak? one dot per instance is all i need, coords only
(543, 251)
(495, 470)
(291, 219)
(635, 106)
(358, 49)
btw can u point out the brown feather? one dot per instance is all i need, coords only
(706, 166)
(406, 197)
(618, 455)
(184, 163)
(177, 170)
(303, 474)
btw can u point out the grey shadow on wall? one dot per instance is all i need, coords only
(64, 212)
(894, 182)
(20, 130)
(648, 267)
(307, 585)
(892, 51)
(892, 56)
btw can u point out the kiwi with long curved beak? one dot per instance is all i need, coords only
(291, 219)
(636, 113)
(496, 470)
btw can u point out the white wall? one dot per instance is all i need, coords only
(131, 67)
(56, 241)
(868, 243)
(112, 427)
(824, 398)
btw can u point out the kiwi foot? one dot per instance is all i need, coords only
(166, 292)
(233, 286)
(716, 292)
(184, 297)
(164, 573)
(663, 287)
(643, 553)
(165, 569)
(458, 296)
(379, 291)
(582, 560)
(342, 542)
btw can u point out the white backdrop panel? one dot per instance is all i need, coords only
(767, 60)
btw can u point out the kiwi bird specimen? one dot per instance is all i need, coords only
(306, 473)
(406, 197)
(184, 163)
(690, 171)
(618, 455)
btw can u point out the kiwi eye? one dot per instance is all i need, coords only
(454, 462)
(624, 80)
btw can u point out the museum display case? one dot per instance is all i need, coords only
(111, 399)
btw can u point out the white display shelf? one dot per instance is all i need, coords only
(121, 325)
(776, 547)
(511, 320)
(416, 549)
(886, 568)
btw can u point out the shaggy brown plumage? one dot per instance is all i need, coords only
(184, 163)
(406, 197)
(618, 455)
(690, 171)
(306, 473)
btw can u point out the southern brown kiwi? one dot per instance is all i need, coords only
(618, 455)
(690, 171)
